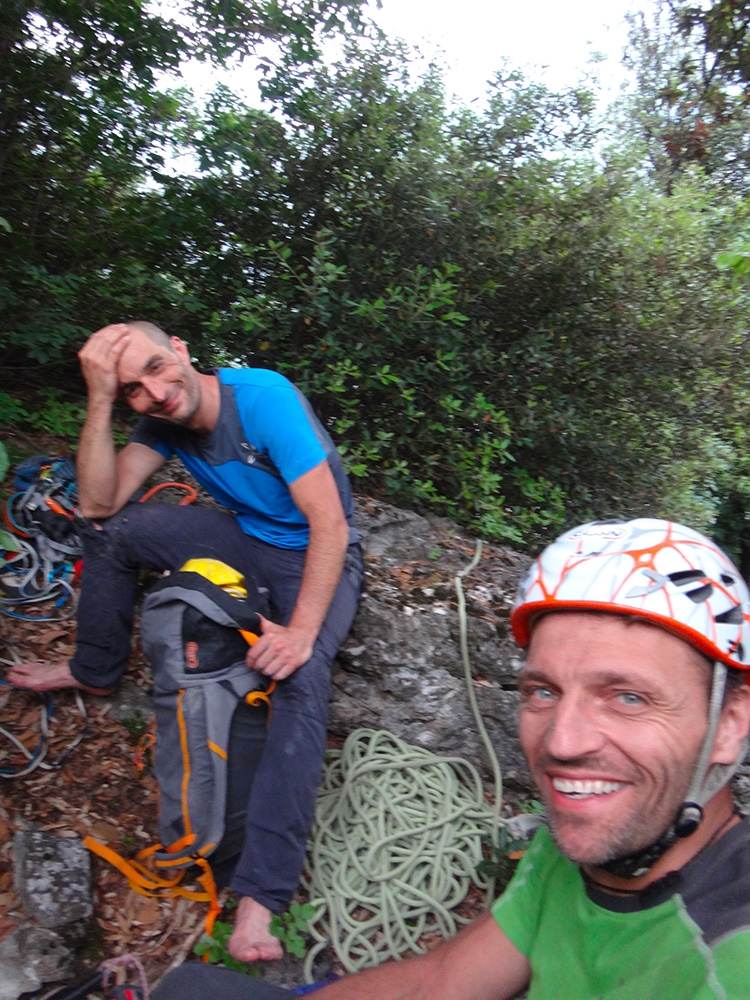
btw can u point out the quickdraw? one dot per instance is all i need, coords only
(44, 561)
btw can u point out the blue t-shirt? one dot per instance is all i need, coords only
(265, 438)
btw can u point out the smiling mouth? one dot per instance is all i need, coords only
(168, 405)
(584, 789)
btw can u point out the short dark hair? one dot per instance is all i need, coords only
(735, 679)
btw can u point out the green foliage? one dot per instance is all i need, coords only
(290, 926)
(8, 542)
(55, 415)
(216, 947)
(690, 108)
(11, 410)
(136, 725)
(493, 323)
(503, 858)
(86, 126)
(737, 261)
(52, 413)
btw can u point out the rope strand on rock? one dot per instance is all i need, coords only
(494, 762)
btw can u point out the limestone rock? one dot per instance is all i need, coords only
(401, 667)
(129, 702)
(52, 875)
(30, 957)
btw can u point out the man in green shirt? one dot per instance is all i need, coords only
(635, 709)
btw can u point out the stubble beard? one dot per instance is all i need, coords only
(609, 844)
(189, 386)
(587, 843)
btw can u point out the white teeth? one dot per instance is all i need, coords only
(585, 788)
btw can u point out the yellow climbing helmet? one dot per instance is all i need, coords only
(229, 579)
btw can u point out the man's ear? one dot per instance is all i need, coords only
(180, 349)
(734, 726)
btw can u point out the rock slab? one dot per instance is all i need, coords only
(52, 875)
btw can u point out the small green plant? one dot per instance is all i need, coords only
(290, 926)
(138, 729)
(503, 857)
(535, 807)
(216, 947)
(7, 541)
(4, 461)
(136, 724)
(11, 410)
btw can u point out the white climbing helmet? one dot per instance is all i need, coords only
(668, 574)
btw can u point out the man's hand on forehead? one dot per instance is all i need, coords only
(99, 358)
(109, 337)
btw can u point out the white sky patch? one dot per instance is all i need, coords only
(472, 37)
(552, 39)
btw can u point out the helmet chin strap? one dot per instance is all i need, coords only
(704, 785)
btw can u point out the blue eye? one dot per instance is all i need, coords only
(630, 698)
(537, 694)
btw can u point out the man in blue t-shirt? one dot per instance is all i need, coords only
(252, 440)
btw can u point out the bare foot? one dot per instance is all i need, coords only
(252, 941)
(48, 677)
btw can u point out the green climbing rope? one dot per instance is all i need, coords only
(494, 762)
(397, 840)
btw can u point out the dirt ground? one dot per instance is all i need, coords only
(97, 790)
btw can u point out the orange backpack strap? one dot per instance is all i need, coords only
(148, 883)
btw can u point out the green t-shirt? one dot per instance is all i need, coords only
(687, 937)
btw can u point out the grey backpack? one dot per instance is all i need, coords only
(211, 717)
(210, 710)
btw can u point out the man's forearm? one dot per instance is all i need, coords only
(479, 963)
(405, 980)
(100, 488)
(96, 462)
(324, 561)
(282, 649)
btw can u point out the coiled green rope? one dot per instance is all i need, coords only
(398, 837)
(397, 840)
